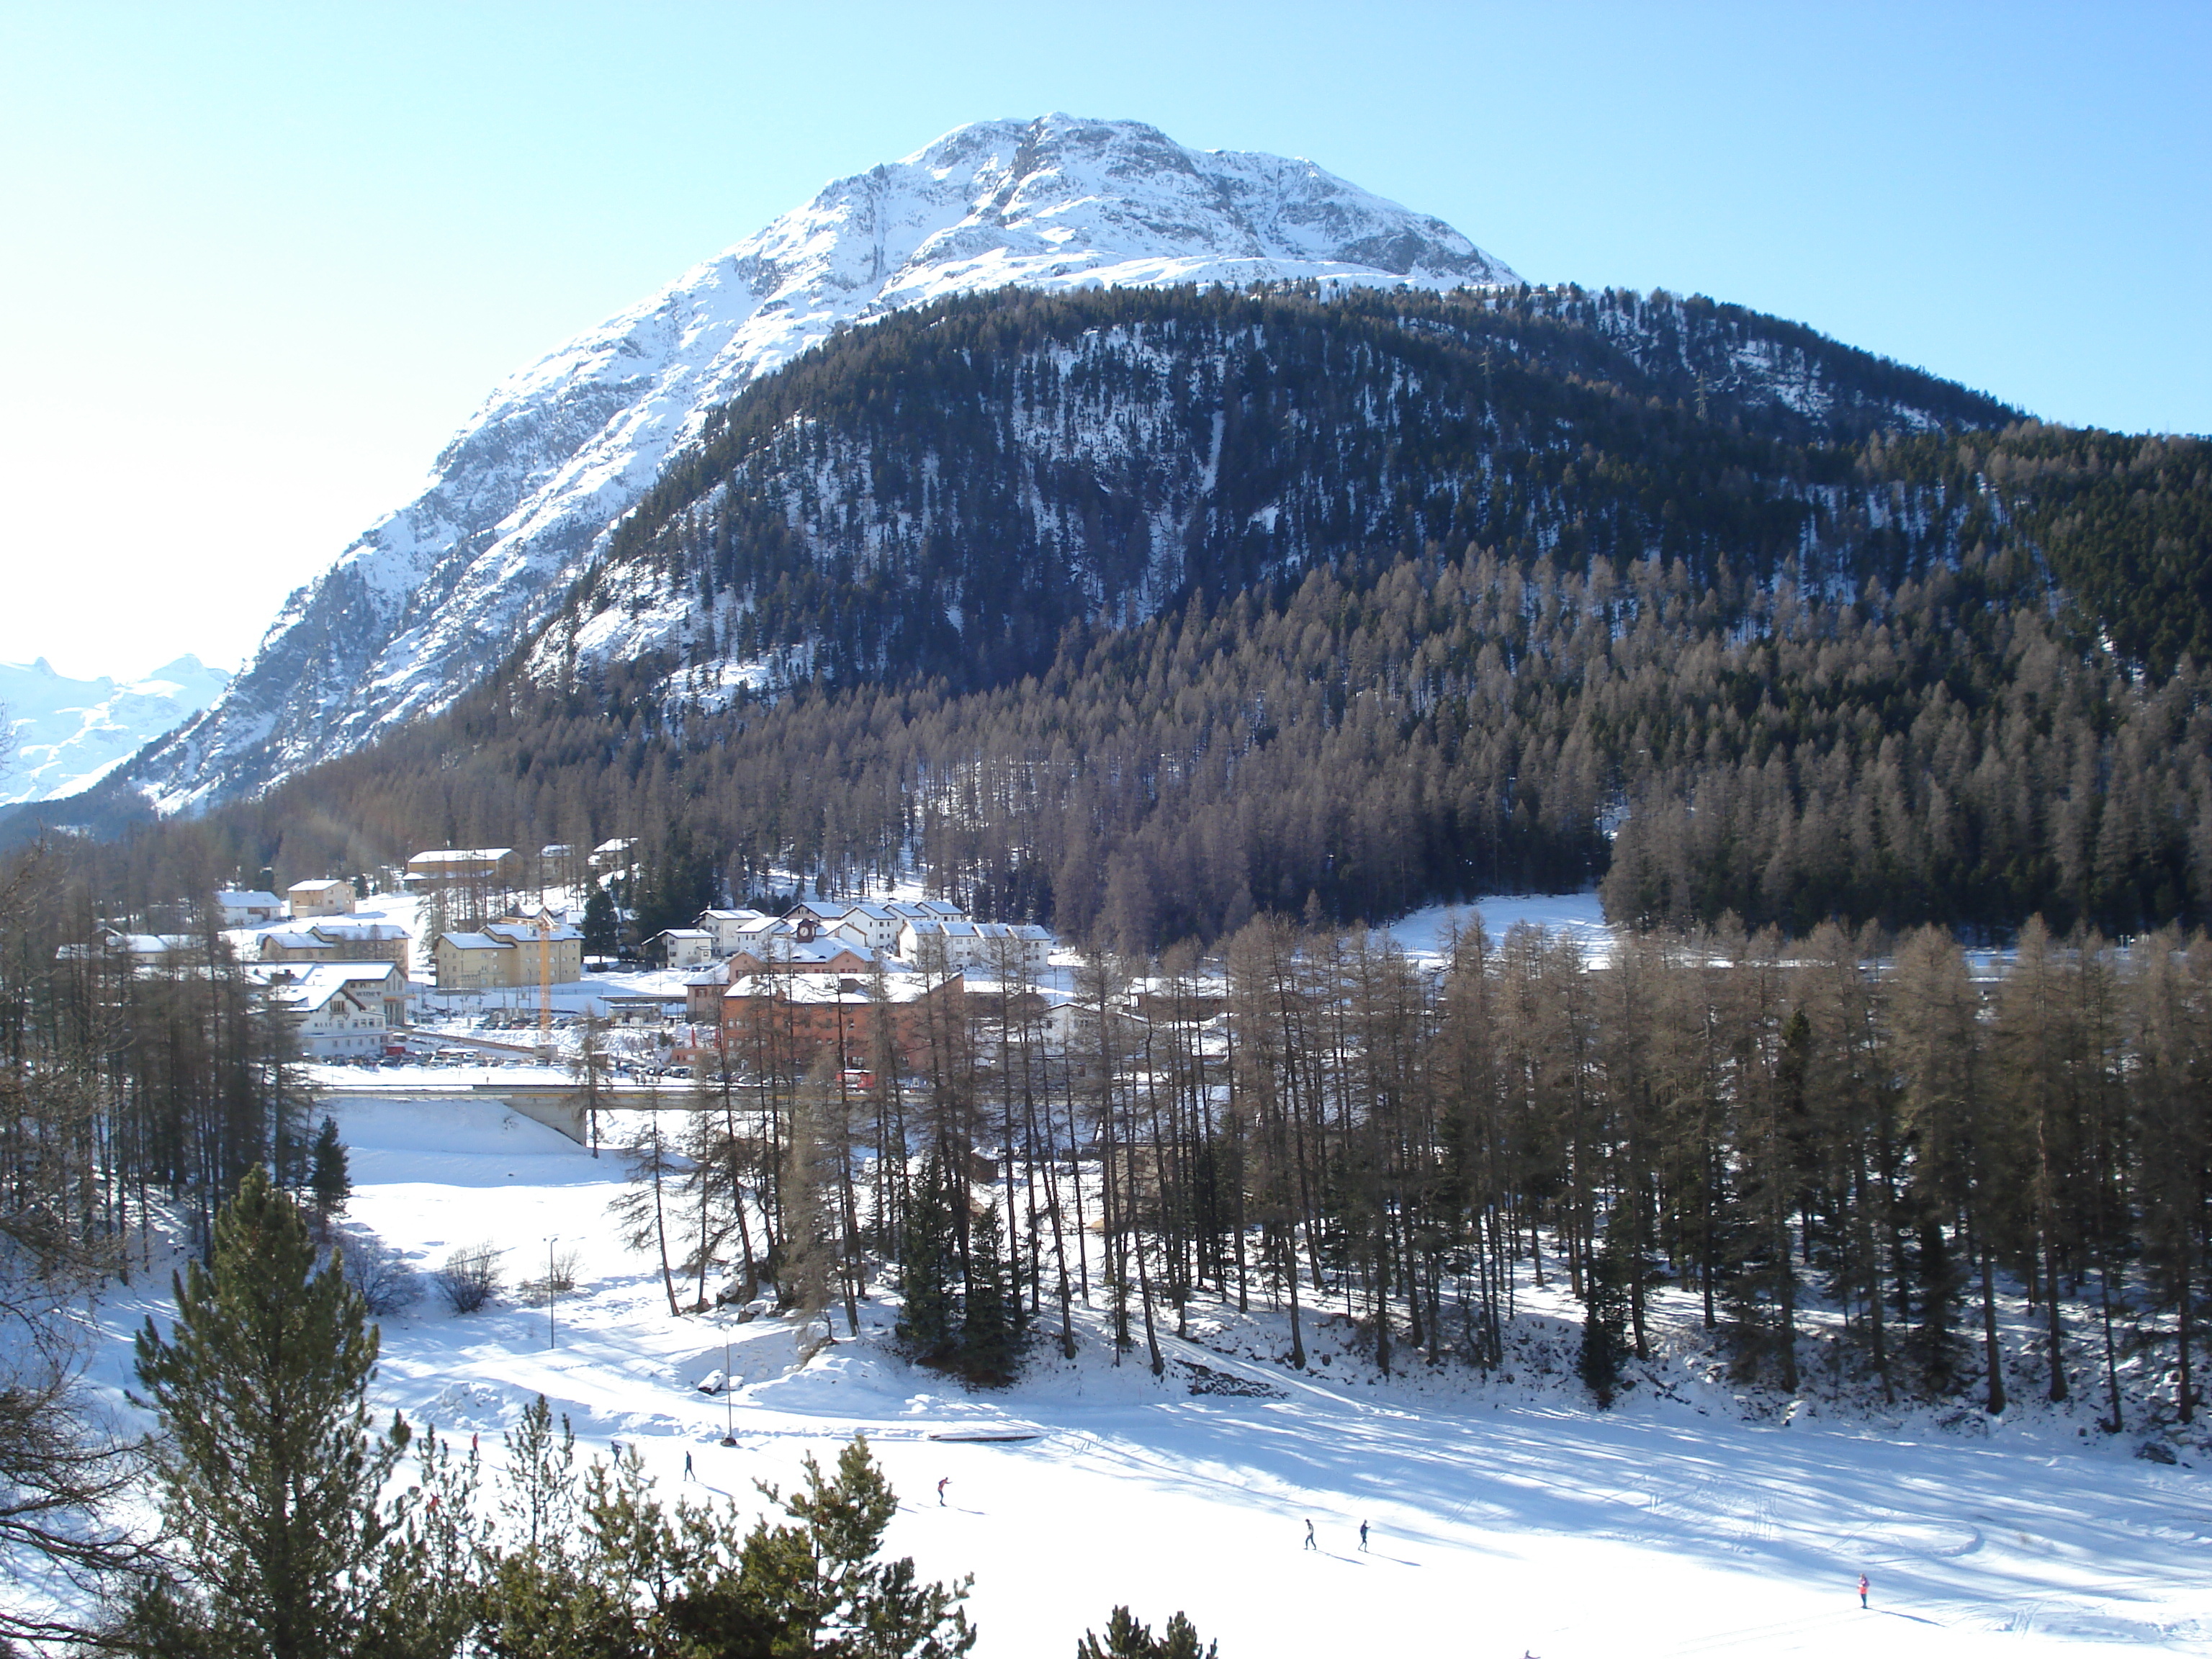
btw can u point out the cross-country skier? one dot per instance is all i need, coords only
(1863, 1588)
(940, 1491)
(688, 1475)
(1310, 1544)
(1363, 1537)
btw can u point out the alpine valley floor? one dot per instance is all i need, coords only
(1508, 1515)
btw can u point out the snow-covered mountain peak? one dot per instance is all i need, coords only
(1063, 202)
(431, 596)
(59, 735)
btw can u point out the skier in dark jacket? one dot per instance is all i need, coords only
(1310, 1544)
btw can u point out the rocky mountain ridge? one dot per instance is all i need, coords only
(67, 734)
(519, 504)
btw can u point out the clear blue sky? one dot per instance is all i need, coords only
(262, 260)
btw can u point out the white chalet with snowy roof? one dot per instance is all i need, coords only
(967, 945)
(721, 926)
(240, 907)
(680, 947)
(337, 1010)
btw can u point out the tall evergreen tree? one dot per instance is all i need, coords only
(330, 1182)
(269, 1473)
(928, 1261)
(990, 1335)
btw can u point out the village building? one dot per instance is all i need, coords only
(789, 1020)
(319, 898)
(336, 1010)
(925, 911)
(473, 962)
(366, 941)
(248, 908)
(635, 1009)
(801, 956)
(614, 853)
(959, 944)
(148, 950)
(722, 926)
(484, 867)
(564, 949)
(680, 947)
(872, 927)
(824, 915)
(296, 946)
(702, 994)
(506, 955)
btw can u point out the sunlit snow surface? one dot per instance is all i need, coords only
(1427, 935)
(1508, 1517)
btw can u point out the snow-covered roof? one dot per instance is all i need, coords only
(460, 856)
(475, 942)
(311, 985)
(321, 886)
(303, 940)
(838, 988)
(237, 898)
(936, 909)
(358, 933)
(526, 932)
(151, 944)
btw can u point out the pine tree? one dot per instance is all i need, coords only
(990, 1343)
(928, 1260)
(1128, 1639)
(1605, 1314)
(268, 1472)
(329, 1180)
(602, 927)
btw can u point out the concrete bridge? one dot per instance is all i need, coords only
(557, 1105)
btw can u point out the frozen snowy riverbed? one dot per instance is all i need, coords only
(1507, 1518)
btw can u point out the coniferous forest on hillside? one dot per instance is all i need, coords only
(1463, 594)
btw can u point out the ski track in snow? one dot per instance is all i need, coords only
(1506, 1520)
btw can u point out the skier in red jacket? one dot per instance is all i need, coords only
(1863, 1588)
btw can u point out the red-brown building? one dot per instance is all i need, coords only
(792, 1018)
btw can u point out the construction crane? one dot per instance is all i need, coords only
(544, 985)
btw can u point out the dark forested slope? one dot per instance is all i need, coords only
(942, 492)
(1139, 612)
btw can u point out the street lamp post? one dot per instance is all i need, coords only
(729, 1406)
(551, 1289)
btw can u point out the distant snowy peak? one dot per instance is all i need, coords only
(431, 596)
(1061, 203)
(63, 735)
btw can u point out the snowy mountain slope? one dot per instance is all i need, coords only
(67, 734)
(430, 596)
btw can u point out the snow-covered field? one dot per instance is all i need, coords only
(1426, 935)
(1508, 1517)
